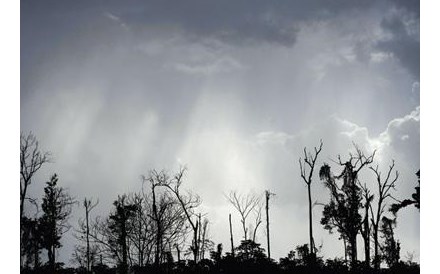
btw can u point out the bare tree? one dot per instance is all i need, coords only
(189, 202)
(232, 236)
(206, 243)
(267, 195)
(31, 160)
(244, 204)
(384, 185)
(83, 234)
(157, 179)
(104, 238)
(140, 236)
(310, 162)
(257, 212)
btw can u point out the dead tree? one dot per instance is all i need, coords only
(88, 206)
(244, 204)
(206, 243)
(310, 161)
(189, 202)
(31, 160)
(268, 194)
(232, 237)
(258, 218)
(384, 185)
(156, 179)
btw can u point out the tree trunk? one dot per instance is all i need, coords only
(267, 224)
(376, 247)
(87, 241)
(312, 244)
(124, 249)
(367, 237)
(178, 253)
(158, 234)
(23, 196)
(51, 258)
(353, 250)
(195, 247)
(232, 237)
(345, 251)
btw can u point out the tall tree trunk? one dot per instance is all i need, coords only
(195, 247)
(158, 234)
(36, 256)
(353, 250)
(367, 237)
(267, 224)
(199, 237)
(51, 258)
(178, 253)
(345, 250)
(232, 237)
(124, 249)
(87, 241)
(22, 198)
(312, 244)
(140, 244)
(376, 247)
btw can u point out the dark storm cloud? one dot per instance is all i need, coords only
(234, 21)
(404, 42)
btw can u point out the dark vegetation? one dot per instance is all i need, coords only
(162, 228)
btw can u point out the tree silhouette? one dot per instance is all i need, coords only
(257, 213)
(249, 250)
(268, 194)
(189, 203)
(342, 212)
(366, 228)
(232, 236)
(85, 254)
(415, 199)
(245, 204)
(31, 241)
(57, 207)
(118, 224)
(31, 160)
(157, 179)
(206, 245)
(310, 161)
(385, 186)
(391, 247)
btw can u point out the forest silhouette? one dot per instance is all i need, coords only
(162, 228)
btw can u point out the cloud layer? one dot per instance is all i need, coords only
(233, 90)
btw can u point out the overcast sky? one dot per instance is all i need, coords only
(234, 90)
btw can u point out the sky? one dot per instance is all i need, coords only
(234, 90)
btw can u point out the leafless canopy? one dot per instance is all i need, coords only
(245, 204)
(385, 186)
(310, 161)
(31, 160)
(358, 160)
